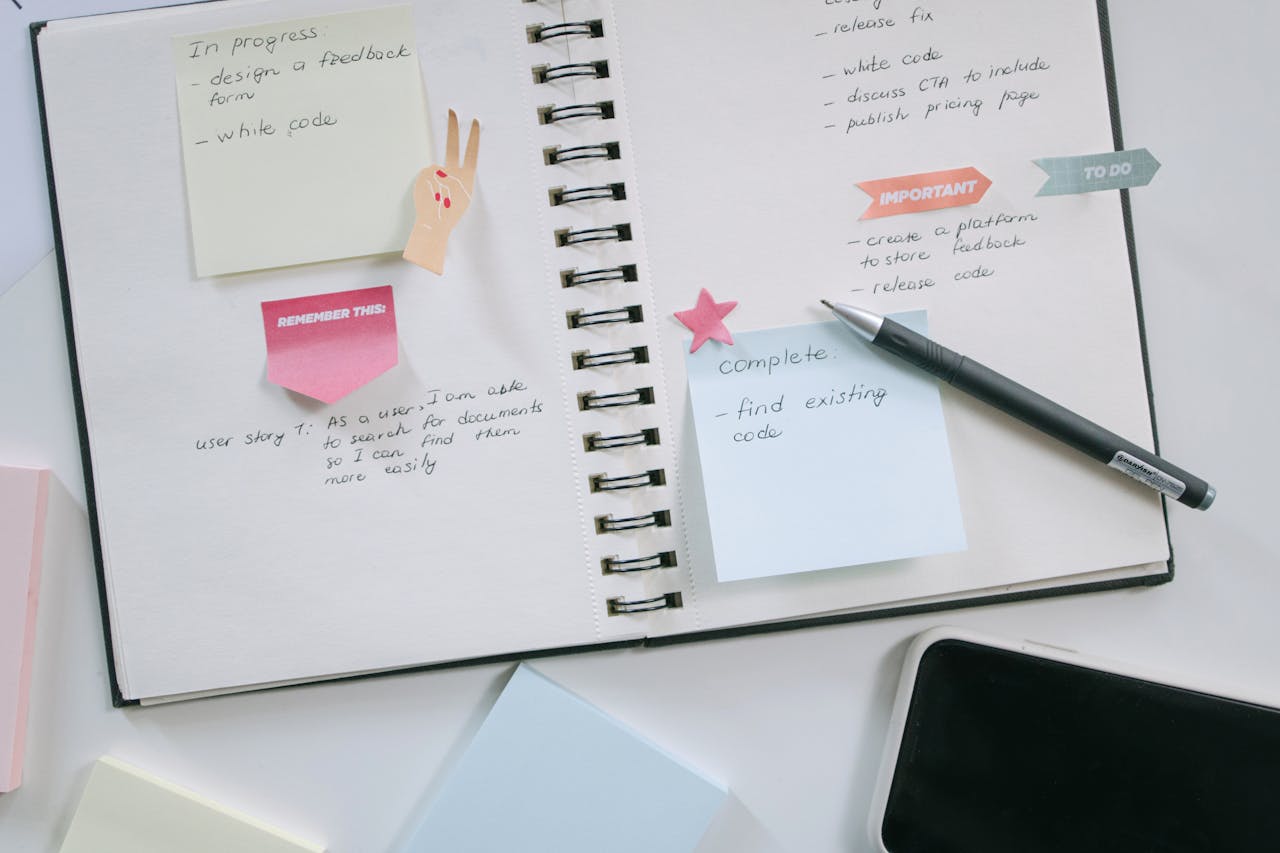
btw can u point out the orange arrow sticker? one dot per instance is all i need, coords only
(926, 191)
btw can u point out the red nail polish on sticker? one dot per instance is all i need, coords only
(446, 202)
(441, 174)
(437, 196)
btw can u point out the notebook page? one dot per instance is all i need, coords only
(241, 545)
(753, 125)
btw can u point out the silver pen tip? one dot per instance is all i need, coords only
(865, 323)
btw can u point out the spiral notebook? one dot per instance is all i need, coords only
(525, 479)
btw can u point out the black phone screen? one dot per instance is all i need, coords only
(1004, 751)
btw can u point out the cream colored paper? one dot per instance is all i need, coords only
(301, 138)
(124, 810)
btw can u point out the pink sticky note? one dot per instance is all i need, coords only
(23, 495)
(329, 345)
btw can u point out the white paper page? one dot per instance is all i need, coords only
(301, 138)
(747, 166)
(238, 564)
(24, 216)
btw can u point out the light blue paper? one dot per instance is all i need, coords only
(819, 451)
(549, 773)
(1112, 170)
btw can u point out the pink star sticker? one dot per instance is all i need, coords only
(706, 320)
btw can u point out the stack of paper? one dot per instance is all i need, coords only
(548, 772)
(23, 495)
(125, 810)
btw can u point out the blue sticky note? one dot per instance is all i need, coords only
(818, 451)
(549, 772)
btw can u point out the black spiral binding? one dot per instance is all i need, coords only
(573, 278)
(593, 441)
(543, 32)
(586, 239)
(551, 73)
(609, 524)
(590, 400)
(554, 154)
(635, 355)
(611, 565)
(601, 110)
(620, 233)
(582, 319)
(647, 479)
(610, 192)
(618, 606)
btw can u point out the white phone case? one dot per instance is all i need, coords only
(906, 686)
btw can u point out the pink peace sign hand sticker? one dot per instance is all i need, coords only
(441, 194)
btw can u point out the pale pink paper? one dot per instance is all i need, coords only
(327, 346)
(24, 493)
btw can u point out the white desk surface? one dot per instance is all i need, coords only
(793, 722)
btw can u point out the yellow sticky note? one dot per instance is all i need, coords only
(124, 810)
(301, 138)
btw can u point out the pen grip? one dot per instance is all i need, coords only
(1043, 414)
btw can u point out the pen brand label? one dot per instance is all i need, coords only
(1144, 473)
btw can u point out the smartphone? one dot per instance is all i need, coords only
(1001, 745)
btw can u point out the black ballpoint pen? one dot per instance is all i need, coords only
(1027, 406)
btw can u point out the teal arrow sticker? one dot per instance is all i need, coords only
(1092, 172)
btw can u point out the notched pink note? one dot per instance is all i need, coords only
(327, 346)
